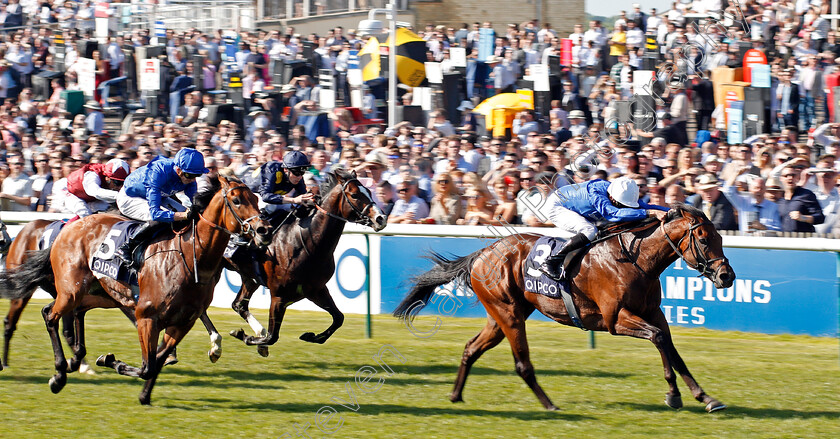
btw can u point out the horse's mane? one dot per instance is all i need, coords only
(332, 180)
(203, 198)
(676, 212)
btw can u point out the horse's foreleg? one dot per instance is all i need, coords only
(78, 345)
(148, 333)
(490, 336)
(631, 325)
(10, 324)
(215, 351)
(712, 404)
(171, 338)
(240, 305)
(323, 299)
(275, 319)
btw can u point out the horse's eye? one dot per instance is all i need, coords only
(236, 201)
(703, 241)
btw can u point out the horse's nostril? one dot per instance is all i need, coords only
(261, 230)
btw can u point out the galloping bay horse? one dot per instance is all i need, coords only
(614, 288)
(174, 290)
(301, 259)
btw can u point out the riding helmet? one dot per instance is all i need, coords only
(117, 169)
(190, 161)
(625, 191)
(295, 159)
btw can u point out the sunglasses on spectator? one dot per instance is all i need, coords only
(443, 181)
(526, 179)
(403, 190)
(788, 175)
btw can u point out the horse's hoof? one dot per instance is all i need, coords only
(308, 337)
(673, 401)
(106, 360)
(57, 384)
(85, 368)
(214, 355)
(171, 360)
(715, 405)
(262, 350)
(238, 333)
(145, 399)
(552, 408)
(454, 398)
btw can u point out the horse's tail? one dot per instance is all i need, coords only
(445, 270)
(35, 271)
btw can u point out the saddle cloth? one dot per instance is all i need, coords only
(50, 233)
(535, 280)
(103, 263)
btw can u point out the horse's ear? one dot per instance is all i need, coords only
(223, 180)
(353, 173)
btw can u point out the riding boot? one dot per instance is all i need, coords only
(553, 265)
(142, 234)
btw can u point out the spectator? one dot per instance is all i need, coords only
(446, 207)
(755, 213)
(16, 192)
(480, 204)
(409, 208)
(385, 195)
(716, 207)
(799, 208)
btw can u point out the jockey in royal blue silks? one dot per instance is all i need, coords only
(282, 183)
(575, 207)
(148, 194)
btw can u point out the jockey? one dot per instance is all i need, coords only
(575, 207)
(282, 183)
(95, 186)
(148, 195)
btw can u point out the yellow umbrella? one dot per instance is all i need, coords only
(411, 56)
(369, 60)
(504, 100)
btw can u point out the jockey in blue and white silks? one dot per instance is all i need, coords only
(576, 207)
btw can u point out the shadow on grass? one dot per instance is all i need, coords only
(377, 409)
(444, 369)
(732, 411)
(239, 376)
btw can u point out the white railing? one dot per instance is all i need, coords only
(495, 232)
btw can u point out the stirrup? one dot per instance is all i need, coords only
(555, 274)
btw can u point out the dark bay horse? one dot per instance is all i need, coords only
(174, 291)
(301, 259)
(615, 288)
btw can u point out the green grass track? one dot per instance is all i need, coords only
(775, 386)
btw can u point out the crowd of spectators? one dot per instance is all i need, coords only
(443, 172)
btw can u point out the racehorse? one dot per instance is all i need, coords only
(615, 288)
(301, 259)
(17, 251)
(176, 281)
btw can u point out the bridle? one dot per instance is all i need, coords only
(244, 225)
(361, 214)
(704, 265)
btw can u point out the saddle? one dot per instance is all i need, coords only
(104, 263)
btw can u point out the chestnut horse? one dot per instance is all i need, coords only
(176, 281)
(301, 259)
(19, 249)
(615, 288)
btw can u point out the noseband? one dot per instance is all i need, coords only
(361, 214)
(704, 265)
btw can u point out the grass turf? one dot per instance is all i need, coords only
(775, 386)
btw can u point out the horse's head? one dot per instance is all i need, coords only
(354, 202)
(244, 212)
(699, 244)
